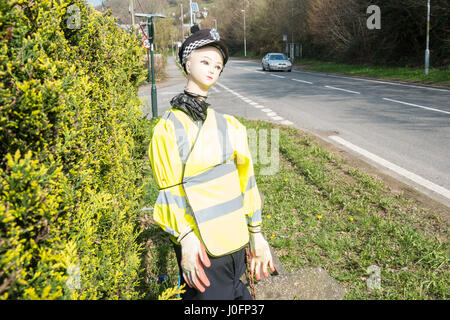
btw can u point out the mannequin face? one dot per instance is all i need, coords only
(204, 66)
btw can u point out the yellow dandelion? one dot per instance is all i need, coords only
(319, 217)
(285, 180)
(268, 216)
(351, 219)
(272, 236)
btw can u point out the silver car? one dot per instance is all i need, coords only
(276, 61)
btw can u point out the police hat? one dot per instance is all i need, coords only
(202, 38)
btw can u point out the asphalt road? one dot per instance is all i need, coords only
(403, 130)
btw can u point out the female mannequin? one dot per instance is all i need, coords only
(203, 66)
(208, 202)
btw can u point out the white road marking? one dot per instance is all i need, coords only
(302, 81)
(376, 81)
(330, 87)
(274, 75)
(215, 89)
(367, 80)
(278, 118)
(411, 176)
(224, 87)
(268, 111)
(287, 122)
(416, 105)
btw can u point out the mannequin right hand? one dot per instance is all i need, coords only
(193, 255)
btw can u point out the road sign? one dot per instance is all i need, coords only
(142, 29)
(194, 7)
(146, 43)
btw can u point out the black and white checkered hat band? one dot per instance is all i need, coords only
(194, 45)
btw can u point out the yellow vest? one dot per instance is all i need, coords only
(217, 196)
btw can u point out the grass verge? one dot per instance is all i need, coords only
(435, 76)
(318, 211)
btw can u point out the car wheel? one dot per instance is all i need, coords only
(289, 70)
(264, 69)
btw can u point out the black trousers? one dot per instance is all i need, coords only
(224, 275)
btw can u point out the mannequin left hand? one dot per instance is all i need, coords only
(261, 256)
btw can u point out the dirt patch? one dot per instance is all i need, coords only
(308, 283)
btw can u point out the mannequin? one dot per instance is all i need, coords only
(215, 211)
(204, 66)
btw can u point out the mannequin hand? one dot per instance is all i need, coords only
(261, 256)
(193, 255)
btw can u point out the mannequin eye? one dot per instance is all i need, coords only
(206, 62)
(218, 67)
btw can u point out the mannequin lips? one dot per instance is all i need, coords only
(210, 78)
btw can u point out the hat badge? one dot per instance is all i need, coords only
(214, 34)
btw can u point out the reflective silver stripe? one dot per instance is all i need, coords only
(255, 218)
(166, 115)
(189, 210)
(167, 197)
(250, 183)
(219, 210)
(222, 126)
(171, 231)
(211, 174)
(181, 137)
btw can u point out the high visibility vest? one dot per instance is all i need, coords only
(196, 168)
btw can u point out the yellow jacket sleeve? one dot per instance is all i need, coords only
(170, 208)
(244, 164)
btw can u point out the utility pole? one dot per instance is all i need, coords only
(245, 38)
(182, 22)
(292, 36)
(427, 51)
(132, 12)
(190, 11)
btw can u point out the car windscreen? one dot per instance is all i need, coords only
(277, 57)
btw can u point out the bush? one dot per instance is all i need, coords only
(72, 137)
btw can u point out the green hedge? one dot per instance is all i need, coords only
(73, 139)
